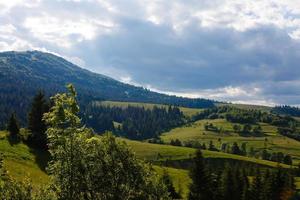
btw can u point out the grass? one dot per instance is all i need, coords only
(20, 161)
(180, 178)
(247, 106)
(158, 152)
(274, 143)
(186, 111)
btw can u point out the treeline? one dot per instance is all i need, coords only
(243, 130)
(286, 110)
(233, 148)
(133, 122)
(243, 116)
(236, 184)
(286, 125)
(276, 157)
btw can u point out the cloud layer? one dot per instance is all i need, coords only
(241, 51)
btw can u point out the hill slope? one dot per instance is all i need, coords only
(23, 73)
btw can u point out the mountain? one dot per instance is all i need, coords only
(22, 74)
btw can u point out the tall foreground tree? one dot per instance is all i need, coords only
(200, 188)
(36, 125)
(84, 166)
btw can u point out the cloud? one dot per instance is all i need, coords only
(242, 51)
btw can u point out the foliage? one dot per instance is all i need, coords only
(36, 125)
(233, 183)
(166, 179)
(200, 188)
(135, 122)
(87, 167)
(286, 110)
(13, 129)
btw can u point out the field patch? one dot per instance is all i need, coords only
(186, 111)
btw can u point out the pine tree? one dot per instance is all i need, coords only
(267, 186)
(13, 129)
(256, 187)
(246, 189)
(166, 179)
(36, 125)
(227, 189)
(200, 188)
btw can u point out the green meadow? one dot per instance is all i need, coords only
(186, 111)
(271, 141)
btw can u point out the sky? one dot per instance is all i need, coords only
(241, 51)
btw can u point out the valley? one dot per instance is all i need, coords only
(164, 133)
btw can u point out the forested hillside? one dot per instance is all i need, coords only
(22, 74)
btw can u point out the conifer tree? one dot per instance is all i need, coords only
(200, 188)
(256, 186)
(13, 129)
(166, 179)
(266, 193)
(227, 189)
(36, 124)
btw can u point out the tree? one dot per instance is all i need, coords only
(287, 160)
(36, 124)
(227, 184)
(256, 186)
(211, 146)
(235, 149)
(13, 129)
(257, 130)
(265, 155)
(237, 128)
(244, 148)
(176, 142)
(84, 166)
(200, 188)
(166, 179)
(247, 129)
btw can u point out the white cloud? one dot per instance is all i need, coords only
(222, 49)
(65, 32)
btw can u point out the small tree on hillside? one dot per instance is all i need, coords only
(13, 129)
(166, 179)
(287, 160)
(36, 124)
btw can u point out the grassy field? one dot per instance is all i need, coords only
(180, 178)
(272, 141)
(186, 111)
(20, 161)
(247, 106)
(158, 152)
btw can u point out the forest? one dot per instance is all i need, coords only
(133, 122)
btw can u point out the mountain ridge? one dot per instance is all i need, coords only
(22, 74)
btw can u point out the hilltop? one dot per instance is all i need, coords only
(22, 74)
